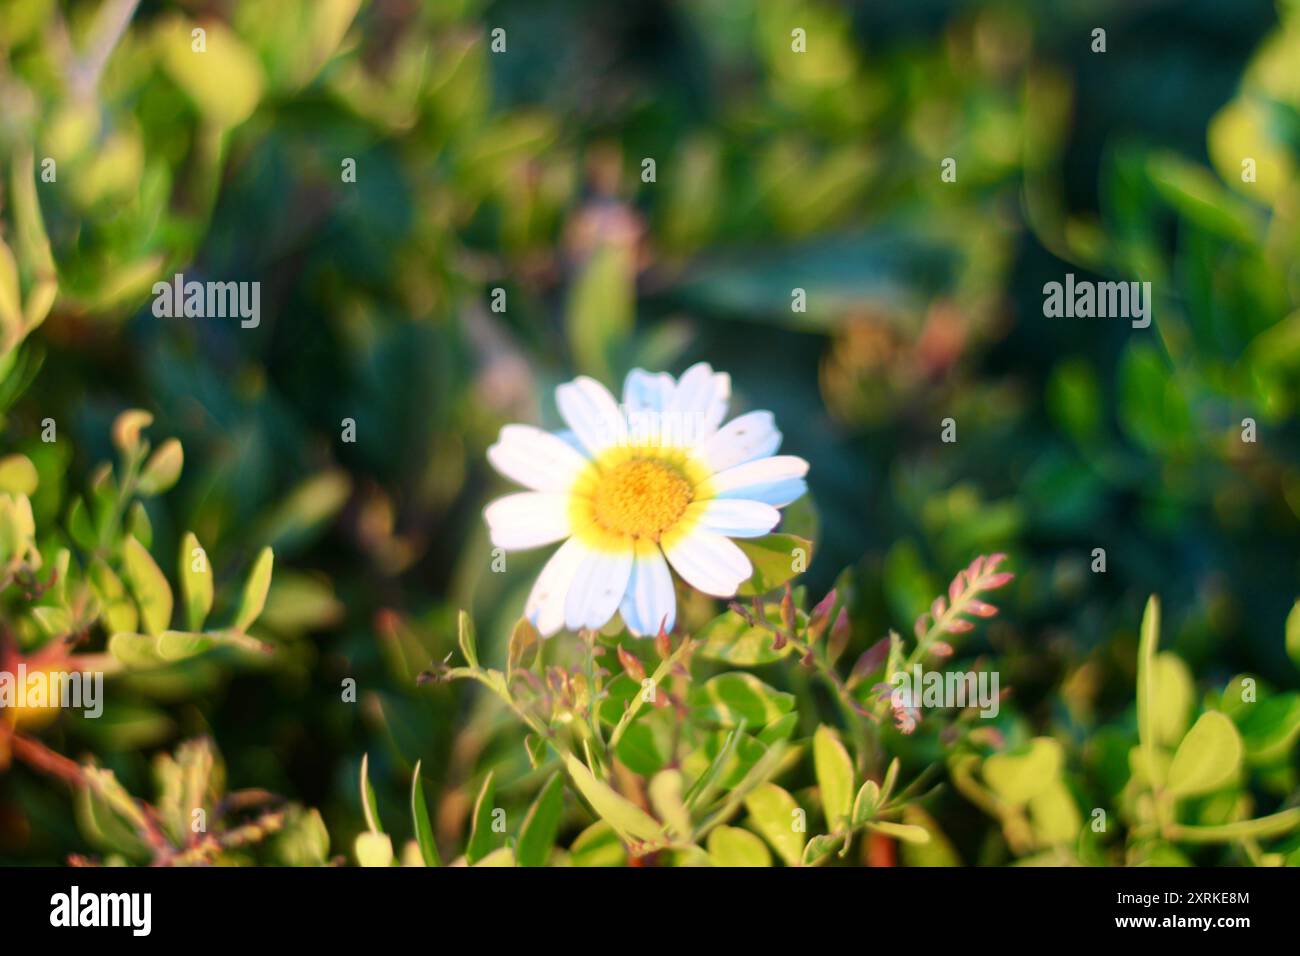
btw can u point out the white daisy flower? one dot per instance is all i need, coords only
(635, 489)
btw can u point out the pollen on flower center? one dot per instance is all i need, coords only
(640, 498)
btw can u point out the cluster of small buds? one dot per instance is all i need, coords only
(945, 615)
(906, 714)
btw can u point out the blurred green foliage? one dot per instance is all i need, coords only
(128, 158)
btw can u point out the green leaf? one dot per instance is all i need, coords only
(732, 846)
(938, 851)
(598, 845)
(465, 634)
(196, 581)
(601, 306)
(162, 470)
(890, 781)
(776, 558)
(225, 82)
(1269, 728)
(727, 699)
(865, 803)
(305, 510)
(776, 815)
(731, 639)
(304, 841)
(369, 806)
(1146, 679)
(1261, 828)
(255, 588)
(820, 847)
(523, 638)
(1293, 633)
(152, 593)
(80, 527)
(1197, 194)
(482, 840)
(646, 745)
(11, 300)
(178, 645)
(420, 821)
(779, 729)
(834, 769)
(135, 650)
(540, 826)
(1021, 774)
(1209, 757)
(621, 814)
(138, 525)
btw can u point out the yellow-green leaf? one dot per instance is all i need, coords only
(776, 559)
(1146, 678)
(465, 636)
(1020, 775)
(135, 650)
(834, 776)
(730, 638)
(939, 851)
(369, 806)
(732, 846)
(18, 475)
(906, 832)
(1055, 815)
(374, 849)
(776, 815)
(727, 699)
(665, 793)
(196, 581)
(619, 812)
(255, 588)
(1209, 757)
(152, 593)
(1173, 699)
(163, 468)
(224, 79)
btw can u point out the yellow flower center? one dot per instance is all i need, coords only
(640, 498)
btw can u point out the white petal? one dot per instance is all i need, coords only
(647, 392)
(597, 589)
(776, 481)
(528, 519)
(535, 459)
(710, 563)
(650, 601)
(737, 517)
(699, 404)
(742, 439)
(545, 607)
(592, 413)
(567, 436)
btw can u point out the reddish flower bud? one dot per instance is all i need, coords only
(840, 635)
(820, 619)
(631, 664)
